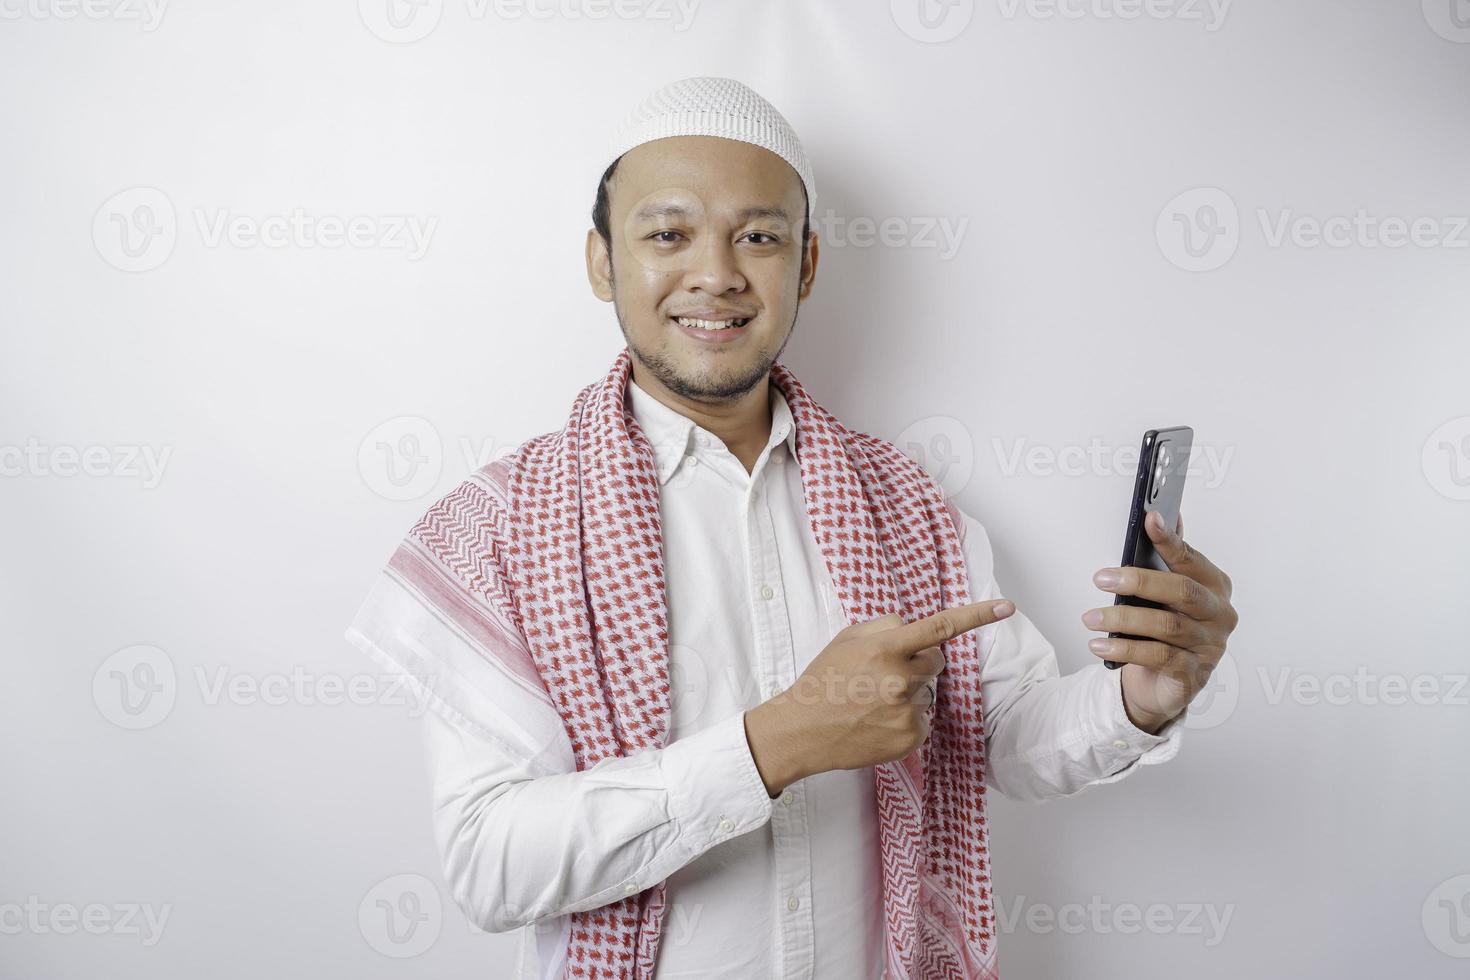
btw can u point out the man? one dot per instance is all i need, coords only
(718, 683)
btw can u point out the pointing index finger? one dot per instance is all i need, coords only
(946, 624)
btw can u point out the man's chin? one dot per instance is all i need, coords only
(707, 376)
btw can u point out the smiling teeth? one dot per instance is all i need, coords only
(711, 324)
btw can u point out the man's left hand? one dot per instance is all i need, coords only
(1185, 640)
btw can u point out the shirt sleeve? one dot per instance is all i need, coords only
(1049, 736)
(522, 833)
(518, 847)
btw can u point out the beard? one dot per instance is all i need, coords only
(702, 384)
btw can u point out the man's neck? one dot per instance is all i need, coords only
(743, 425)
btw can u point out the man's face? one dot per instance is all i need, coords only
(711, 228)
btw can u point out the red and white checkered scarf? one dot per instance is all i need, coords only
(580, 545)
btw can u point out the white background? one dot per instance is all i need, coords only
(1325, 820)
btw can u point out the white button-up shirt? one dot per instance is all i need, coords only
(757, 887)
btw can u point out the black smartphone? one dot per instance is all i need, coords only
(1158, 486)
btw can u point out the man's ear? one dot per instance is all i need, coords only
(599, 266)
(808, 268)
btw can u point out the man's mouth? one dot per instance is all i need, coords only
(712, 333)
(710, 325)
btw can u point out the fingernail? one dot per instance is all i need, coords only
(1005, 607)
(1099, 644)
(1108, 578)
(1092, 619)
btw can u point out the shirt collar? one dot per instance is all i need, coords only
(670, 433)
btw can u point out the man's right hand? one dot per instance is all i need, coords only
(862, 700)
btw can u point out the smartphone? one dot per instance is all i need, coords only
(1158, 486)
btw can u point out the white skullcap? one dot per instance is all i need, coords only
(714, 107)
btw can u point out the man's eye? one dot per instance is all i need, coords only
(764, 234)
(665, 241)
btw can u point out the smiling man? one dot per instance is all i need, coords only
(719, 683)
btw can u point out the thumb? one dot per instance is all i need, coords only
(870, 626)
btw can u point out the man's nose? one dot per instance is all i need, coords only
(715, 267)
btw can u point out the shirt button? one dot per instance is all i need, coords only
(767, 591)
(1120, 744)
(691, 459)
(786, 798)
(726, 826)
(630, 889)
(793, 903)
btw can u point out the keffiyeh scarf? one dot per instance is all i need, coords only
(569, 553)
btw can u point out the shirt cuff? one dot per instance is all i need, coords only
(1122, 745)
(715, 789)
